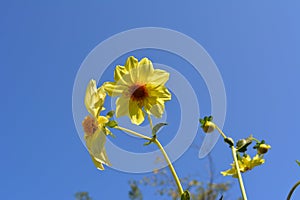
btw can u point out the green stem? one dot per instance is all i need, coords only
(256, 140)
(242, 187)
(133, 133)
(221, 132)
(180, 190)
(233, 150)
(161, 148)
(150, 121)
(292, 190)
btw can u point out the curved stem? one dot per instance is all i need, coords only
(242, 187)
(256, 140)
(161, 148)
(233, 150)
(221, 132)
(180, 190)
(292, 190)
(150, 121)
(133, 133)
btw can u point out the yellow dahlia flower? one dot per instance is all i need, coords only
(94, 125)
(245, 164)
(140, 88)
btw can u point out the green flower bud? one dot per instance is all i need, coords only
(263, 148)
(208, 127)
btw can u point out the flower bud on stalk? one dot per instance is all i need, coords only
(263, 148)
(208, 127)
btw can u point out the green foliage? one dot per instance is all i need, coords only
(157, 127)
(110, 114)
(154, 131)
(205, 119)
(242, 144)
(258, 143)
(111, 124)
(229, 141)
(298, 162)
(82, 196)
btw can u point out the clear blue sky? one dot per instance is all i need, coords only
(255, 45)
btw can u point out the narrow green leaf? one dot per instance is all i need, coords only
(157, 127)
(147, 143)
(112, 123)
(242, 144)
(110, 114)
(201, 121)
(298, 162)
(229, 141)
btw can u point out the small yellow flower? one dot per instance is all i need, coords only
(263, 148)
(94, 125)
(140, 88)
(245, 164)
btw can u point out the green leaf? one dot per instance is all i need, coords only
(157, 127)
(147, 143)
(110, 114)
(185, 195)
(112, 124)
(242, 144)
(229, 141)
(202, 121)
(298, 162)
(205, 119)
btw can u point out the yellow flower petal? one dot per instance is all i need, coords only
(114, 89)
(131, 63)
(102, 120)
(257, 160)
(145, 70)
(160, 92)
(122, 106)
(94, 98)
(230, 172)
(95, 144)
(155, 107)
(98, 164)
(131, 70)
(159, 77)
(137, 92)
(119, 72)
(136, 114)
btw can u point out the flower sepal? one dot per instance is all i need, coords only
(241, 145)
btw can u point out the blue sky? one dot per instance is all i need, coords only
(255, 45)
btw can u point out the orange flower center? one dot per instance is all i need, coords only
(138, 92)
